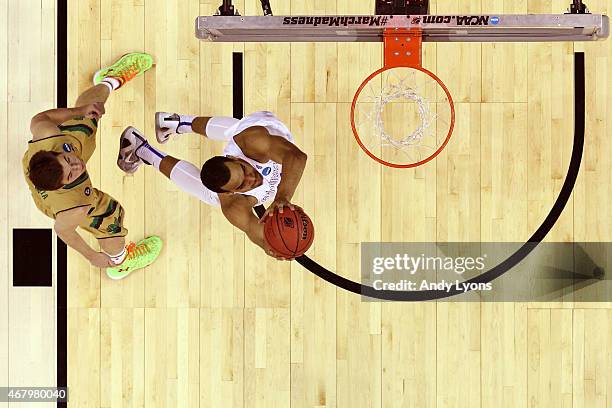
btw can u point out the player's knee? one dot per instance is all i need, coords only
(217, 125)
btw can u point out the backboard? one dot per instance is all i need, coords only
(435, 28)
(403, 107)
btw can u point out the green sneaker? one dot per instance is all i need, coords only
(129, 66)
(139, 256)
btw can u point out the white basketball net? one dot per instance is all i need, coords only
(416, 135)
(395, 92)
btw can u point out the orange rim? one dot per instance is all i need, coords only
(433, 155)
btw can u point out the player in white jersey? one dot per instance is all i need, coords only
(259, 151)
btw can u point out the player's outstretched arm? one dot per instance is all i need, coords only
(239, 211)
(65, 227)
(45, 124)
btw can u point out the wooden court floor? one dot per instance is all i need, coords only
(216, 323)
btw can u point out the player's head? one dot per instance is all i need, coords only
(50, 171)
(229, 175)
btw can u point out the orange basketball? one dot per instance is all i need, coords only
(289, 234)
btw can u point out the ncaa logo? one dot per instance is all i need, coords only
(266, 171)
(494, 20)
(67, 148)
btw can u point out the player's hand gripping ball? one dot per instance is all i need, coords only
(289, 234)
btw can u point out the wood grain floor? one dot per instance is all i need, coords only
(216, 323)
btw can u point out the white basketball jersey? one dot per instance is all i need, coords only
(270, 171)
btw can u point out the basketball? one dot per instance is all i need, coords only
(289, 234)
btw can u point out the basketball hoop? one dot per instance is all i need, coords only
(403, 115)
(415, 101)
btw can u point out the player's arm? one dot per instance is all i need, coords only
(238, 210)
(260, 145)
(65, 226)
(46, 123)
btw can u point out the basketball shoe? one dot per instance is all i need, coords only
(139, 256)
(131, 140)
(167, 124)
(126, 68)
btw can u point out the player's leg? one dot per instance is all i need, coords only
(106, 224)
(186, 176)
(105, 81)
(168, 124)
(114, 248)
(115, 76)
(135, 150)
(97, 93)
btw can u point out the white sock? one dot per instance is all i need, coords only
(184, 125)
(111, 82)
(119, 258)
(150, 155)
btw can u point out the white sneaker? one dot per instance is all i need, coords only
(131, 140)
(166, 125)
